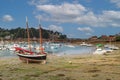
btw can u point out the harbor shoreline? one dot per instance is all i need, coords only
(68, 67)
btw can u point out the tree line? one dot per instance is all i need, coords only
(34, 33)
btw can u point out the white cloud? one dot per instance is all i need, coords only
(89, 19)
(105, 19)
(117, 2)
(7, 18)
(88, 34)
(109, 18)
(85, 29)
(61, 13)
(39, 17)
(70, 35)
(77, 13)
(37, 2)
(70, 9)
(55, 28)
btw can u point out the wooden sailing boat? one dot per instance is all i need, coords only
(29, 55)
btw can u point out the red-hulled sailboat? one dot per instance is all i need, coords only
(29, 55)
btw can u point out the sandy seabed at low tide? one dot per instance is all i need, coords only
(77, 67)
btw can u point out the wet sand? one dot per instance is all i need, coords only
(78, 67)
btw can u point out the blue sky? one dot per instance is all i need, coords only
(75, 18)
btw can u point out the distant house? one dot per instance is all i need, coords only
(112, 38)
(104, 38)
(93, 38)
(7, 37)
(107, 38)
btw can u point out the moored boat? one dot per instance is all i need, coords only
(29, 55)
(99, 51)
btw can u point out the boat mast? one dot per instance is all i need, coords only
(40, 31)
(40, 34)
(28, 34)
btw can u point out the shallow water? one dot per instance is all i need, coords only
(7, 53)
(76, 50)
(62, 50)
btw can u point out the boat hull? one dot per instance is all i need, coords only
(32, 58)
